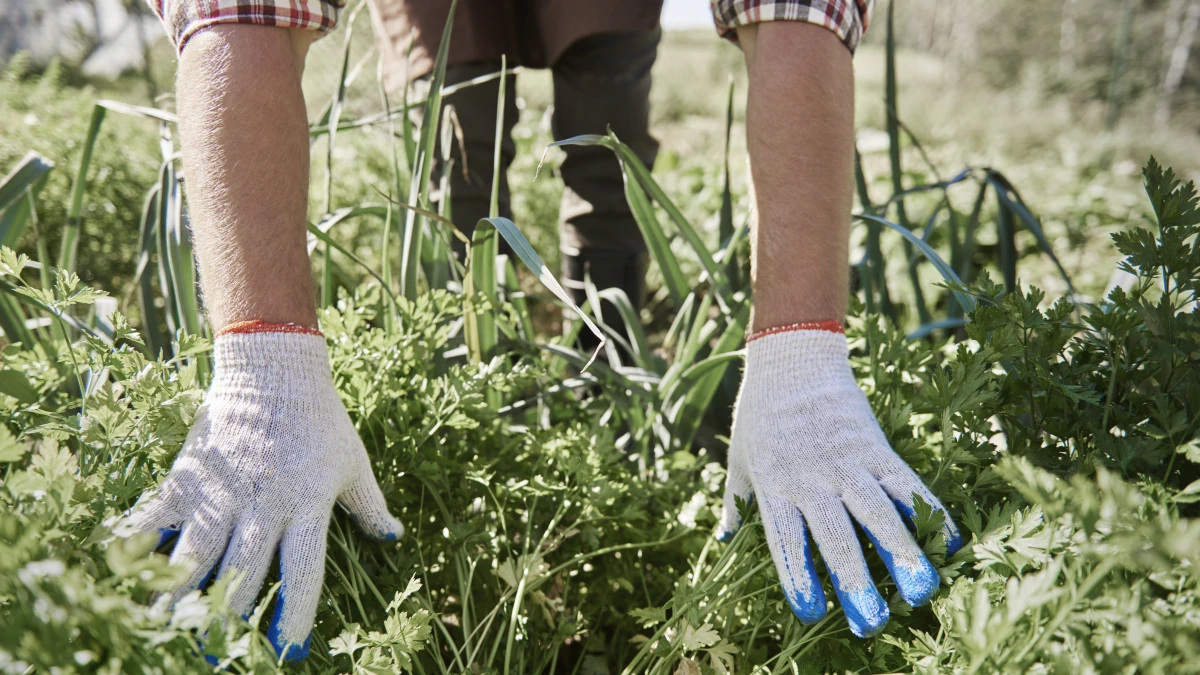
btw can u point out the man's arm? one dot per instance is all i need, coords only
(244, 133)
(805, 442)
(800, 137)
(272, 448)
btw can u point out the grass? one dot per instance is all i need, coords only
(559, 514)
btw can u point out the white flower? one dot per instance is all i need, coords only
(687, 516)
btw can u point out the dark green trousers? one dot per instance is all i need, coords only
(600, 82)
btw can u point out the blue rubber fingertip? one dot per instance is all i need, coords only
(208, 578)
(378, 534)
(290, 651)
(725, 537)
(916, 585)
(866, 612)
(165, 535)
(954, 543)
(811, 609)
(208, 658)
(808, 611)
(909, 516)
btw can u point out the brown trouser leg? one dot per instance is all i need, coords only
(602, 82)
(475, 110)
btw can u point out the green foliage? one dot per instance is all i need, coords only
(1062, 437)
(560, 515)
(41, 113)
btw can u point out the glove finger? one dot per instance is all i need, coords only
(364, 501)
(249, 555)
(900, 482)
(788, 541)
(160, 514)
(834, 534)
(302, 571)
(737, 484)
(201, 542)
(916, 578)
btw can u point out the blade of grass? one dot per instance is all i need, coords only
(516, 298)
(699, 332)
(170, 309)
(893, 130)
(403, 109)
(1011, 199)
(704, 378)
(333, 114)
(410, 253)
(480, 330)
(631, 162)
(18, 191)
(73, 226)
(944, 269)
(1006, 236)
(725, 221)
(638, 344)
(524, 251)
(874, 277)
(324, 237)
(681, 323)
(928, 329)
(967, 254)
(43, 251)
(25, 180)
(594, 307)
(156, 342)
(177, 250)
(14, 323)
(643, 211)
(138, 111)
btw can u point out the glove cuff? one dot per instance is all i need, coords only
(830, 326)
(257, 354)
(809, 354)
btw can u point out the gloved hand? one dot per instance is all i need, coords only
(271, 450)
(806, 446)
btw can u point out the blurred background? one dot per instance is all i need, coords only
(1068, 99)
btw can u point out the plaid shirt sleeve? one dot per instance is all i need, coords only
(847, 18)
(182, 18)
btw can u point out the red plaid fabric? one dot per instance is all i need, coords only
(847, 18)
(182, 18)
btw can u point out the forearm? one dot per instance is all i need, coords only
(800, 137)
(244, 133)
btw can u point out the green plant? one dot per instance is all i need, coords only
(560, 512)
(537, 544)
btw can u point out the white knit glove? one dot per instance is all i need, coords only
(271, 450)
(807, 445)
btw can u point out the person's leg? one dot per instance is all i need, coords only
(474, 143)
(603, 82)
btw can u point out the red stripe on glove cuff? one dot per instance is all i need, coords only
(830, 326)
(260, 326)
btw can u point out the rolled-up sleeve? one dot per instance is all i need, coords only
(847, 18)
(182, 18)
